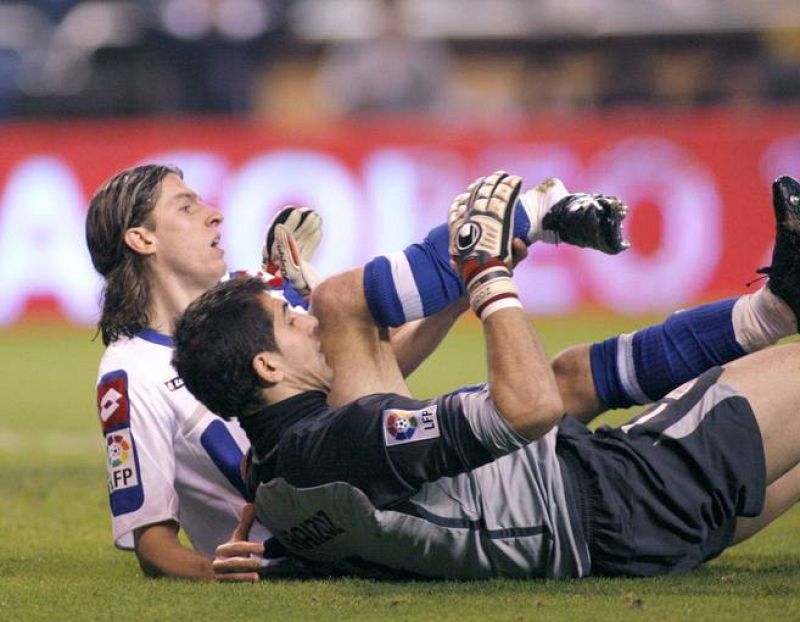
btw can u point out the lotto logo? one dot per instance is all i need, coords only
(109, 403)
(112, 401)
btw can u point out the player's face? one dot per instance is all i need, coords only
(187, 236)
(297, 338)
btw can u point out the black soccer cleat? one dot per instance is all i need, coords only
(589, 221)
(784, 273)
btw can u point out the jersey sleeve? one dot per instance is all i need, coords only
(389, 446)
(140, 460)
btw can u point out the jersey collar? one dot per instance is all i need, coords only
(265, 427)
(155, 337)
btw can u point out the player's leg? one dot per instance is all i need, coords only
(643, 366)
(784, 275)
(768, 379)
(359, 352)
(782, 495)
(668, 487)
(420, 281)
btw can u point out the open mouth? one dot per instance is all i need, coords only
(215, 242)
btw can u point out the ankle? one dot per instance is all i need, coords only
(535, 203)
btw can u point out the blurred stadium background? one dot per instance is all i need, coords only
(376, 113)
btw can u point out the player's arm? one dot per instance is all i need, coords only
(291, 240)
(415, 341)
(141, 471)
(521, 381)
(161, 554)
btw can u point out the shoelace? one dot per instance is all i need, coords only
(764, 272)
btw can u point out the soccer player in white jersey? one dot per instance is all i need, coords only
(494, 481)
(171, 463)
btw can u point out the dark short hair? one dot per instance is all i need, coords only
(216, 340)
(124, 201)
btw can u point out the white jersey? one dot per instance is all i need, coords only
(169, 458)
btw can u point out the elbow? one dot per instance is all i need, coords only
(148, 567)
(547, 413)
(533, 418)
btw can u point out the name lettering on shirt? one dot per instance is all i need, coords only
(310, 533)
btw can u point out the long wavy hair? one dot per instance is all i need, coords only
(124, 201)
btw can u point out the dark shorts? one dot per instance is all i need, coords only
(661, 493)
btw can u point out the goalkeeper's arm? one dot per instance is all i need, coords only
(521, 381)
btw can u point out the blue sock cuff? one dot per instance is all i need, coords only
(646, 365)
(381, 295)
(606, 375)
(438, 284)
(416, 283)
(522, 224)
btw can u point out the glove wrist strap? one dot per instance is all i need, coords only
(490, 288)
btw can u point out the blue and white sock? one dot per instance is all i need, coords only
(762, 318)
(531, 208)
(419, 281)
(414, 283)
(643, 366)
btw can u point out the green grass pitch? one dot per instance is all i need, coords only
(57, 561)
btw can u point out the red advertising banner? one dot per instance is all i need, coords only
(698, 185)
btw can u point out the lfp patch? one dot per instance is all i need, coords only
(122, 469)
(409, 426)
(122, 465)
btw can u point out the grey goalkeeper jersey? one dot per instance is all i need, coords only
(390, 486)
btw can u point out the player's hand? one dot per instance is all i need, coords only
(481, 241)
(237, 559)
(519, 251)
(292, 239)
(303, 223)
(589, 220)
(481, 220)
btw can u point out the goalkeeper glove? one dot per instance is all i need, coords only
(291, 240)
(481, 234)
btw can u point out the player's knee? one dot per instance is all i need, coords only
(337, 297)
(573, 373)
(572, 370)
(566, 365)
